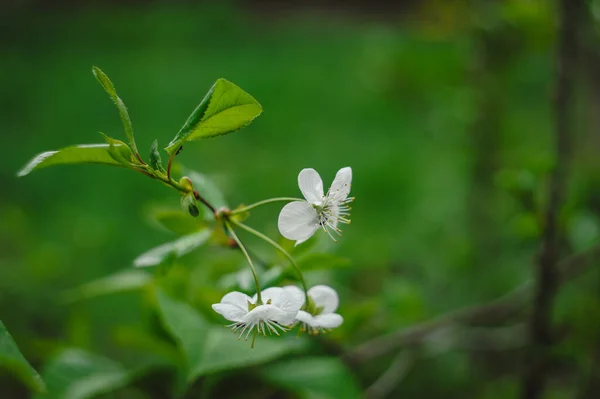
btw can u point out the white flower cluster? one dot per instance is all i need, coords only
(280, 310)
(277, 309)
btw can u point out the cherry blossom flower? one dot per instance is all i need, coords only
(277, 311)
(319, 312)
(299, 220)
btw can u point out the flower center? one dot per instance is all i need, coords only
(332, 212)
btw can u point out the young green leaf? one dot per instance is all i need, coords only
(77, 374)
(225, 109)
(120, 151)
(112, 92)
(173, 249)
(210, 348)
(155, 159)
(123, 281)
(12, 360)
(83, 153)
(313, 377)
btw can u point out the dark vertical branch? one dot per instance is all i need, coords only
(546, 271)
(484, 141)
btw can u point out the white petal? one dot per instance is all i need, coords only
(288, 299)
(266, 312)
(233, 306)
(324, 297)
(305, 317)
(311, 185)
(230, 312)
(329, 320)
(340, 188)
(298, 221)
(236, 298)
(270, 294)
(295, 291)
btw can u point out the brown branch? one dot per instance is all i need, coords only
(392, 377)
(205, 202)
(541, 334)
(495, 311)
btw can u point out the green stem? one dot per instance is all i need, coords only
(245, 252)
(263, 202)
(280, 249)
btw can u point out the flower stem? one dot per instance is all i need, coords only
(280, 249)
(170, 163)
(263, 202)
(245, 252)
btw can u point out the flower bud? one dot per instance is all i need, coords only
(187, 184)
(189, 203)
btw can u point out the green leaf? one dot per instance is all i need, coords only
(218, 354)
(210, 348)
(225, 109)
(13, 360)
(120, 151)
(83, 153)
(147, 344)
(321, 261)
(77, 374)
(172, 250)
(112, 92)
(188, 328)
(175, 220)
(313, 377)
(155, 159)
(126, 280)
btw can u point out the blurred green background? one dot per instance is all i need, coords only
(443, 110)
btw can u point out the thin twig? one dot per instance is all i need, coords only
(170, 162)
(205, 202)
(392, 377)
(279, 248)
(494, 311)
(541, 335)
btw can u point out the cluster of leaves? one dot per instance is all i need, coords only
(184, 343)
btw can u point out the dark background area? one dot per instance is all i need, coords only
(444, 110)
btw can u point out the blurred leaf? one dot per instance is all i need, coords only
(175, 220)
(155, 159)
(126, 280)
(313, 377)
(12, 360)
(173, 249)
(77, 374)
(83, 153)
(583, 230)
(210, 348)
(208, 190)
(112, 92)
(137, 338)
(185, 324)
(319, 261)
(225, 109)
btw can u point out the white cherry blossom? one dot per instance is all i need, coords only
(319, 310)
(299, 220)
(278, 310)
